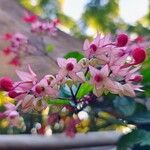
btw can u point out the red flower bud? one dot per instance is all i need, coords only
(6, 84)
(139, 55)
(6, 51)
(13, 94)
(15, 61)
(7, 36)
(137, 78)
(122, 40)
(39, 89)
(30, 19)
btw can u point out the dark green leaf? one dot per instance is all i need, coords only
(124, 105)
(140, 118)
(141, 137)
(75, 55)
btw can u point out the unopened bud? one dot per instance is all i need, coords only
(6, 84)
(139, 55)
(13, 94)
(137, 78)
(122, 40)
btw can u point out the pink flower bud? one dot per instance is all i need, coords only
(122, 40)
(39, 89)
(6, 84)
(139, 55)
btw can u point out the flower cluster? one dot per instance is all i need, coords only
(41, 27)
(17, 45)
(108, 66)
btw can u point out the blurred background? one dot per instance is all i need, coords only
(82, 18)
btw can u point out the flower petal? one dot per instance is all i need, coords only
(61, 62)
(93, 71)
(105, 71)
(86, 45)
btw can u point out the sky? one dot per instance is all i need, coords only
(130, 10)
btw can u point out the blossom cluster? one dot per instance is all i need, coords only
(108, 66)
(40, 26)
(18, 43)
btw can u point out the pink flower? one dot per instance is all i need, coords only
(98, 47)
(21, 88)
(18, 45)
(70, 67)
(117, 59)
(126, 89)
(133, 75)
(11, 114)
(101, 81)
(44, 88)
(27, 76)
(11, 110)
(44, 27)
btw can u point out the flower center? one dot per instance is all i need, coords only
(69, 66)
(39, 89)
(98, 78)
(93, 47)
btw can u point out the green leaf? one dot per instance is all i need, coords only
(84, 90)
(141, 137)
(49, 48)
(140, 118)
(124, 105)
(75, 55)
(59, 102)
